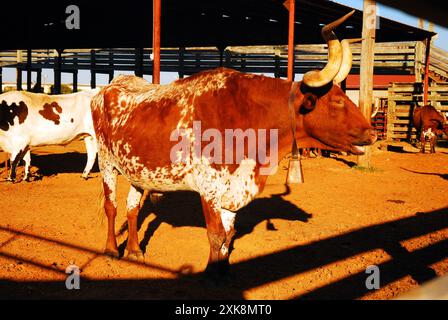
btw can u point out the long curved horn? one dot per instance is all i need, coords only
(347, 60)
(377, 107)
(320, 78)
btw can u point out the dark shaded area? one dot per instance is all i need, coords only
(167, 211)
(432, 10)
(397, 149)
(396, 201)
(441, 175)
(70, 162)
(184, 23)
(348, 163)
(268, 268)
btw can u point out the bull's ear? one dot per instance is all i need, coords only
(308, 103)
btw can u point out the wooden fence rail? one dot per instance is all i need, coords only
(389, 58)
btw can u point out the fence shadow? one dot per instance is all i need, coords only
(272, 267)
(441, 175)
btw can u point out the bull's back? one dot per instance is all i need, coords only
(46, 119)
(128, 127)
(428, 117)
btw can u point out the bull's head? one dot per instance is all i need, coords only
(327, 118)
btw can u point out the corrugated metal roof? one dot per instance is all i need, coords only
(184, 23)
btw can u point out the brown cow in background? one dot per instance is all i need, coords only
(429, 124)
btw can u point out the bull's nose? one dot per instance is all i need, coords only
(371, 135)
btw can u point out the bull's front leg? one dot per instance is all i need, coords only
(432, 144)
(423, 142)
(220, 230)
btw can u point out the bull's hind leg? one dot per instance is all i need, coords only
(91, 148)
(133, 208)
(27, 159)
(16, 156)
(109, 174)
(220, 232)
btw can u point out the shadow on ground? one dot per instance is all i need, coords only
(55, 163)
(253, 273)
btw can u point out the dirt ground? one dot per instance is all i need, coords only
(314, 243)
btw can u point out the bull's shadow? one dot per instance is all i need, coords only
(184, 209)
(55, 163)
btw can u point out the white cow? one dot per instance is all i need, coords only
(34, 119)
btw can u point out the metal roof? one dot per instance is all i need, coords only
(184, 23)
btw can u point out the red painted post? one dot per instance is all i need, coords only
(292, 10)
(156, 41)
(426, 79)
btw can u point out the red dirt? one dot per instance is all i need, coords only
(314, 243)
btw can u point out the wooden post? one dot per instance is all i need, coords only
(276, 66)
(57, 72)
(111, 64)
(75, 74)
(221, 56)
(92, 70)
(28, 69)
(156, 41)
(139, 62)
(19, 70)
(181, 62)
(426, 79)
(39, 80)
(366, 71)
(292, 10)
(243, 62)
(419, 48)
(228, 59)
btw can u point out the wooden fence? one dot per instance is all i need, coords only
(390, 58)
(403, 99)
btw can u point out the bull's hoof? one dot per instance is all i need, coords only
(220, 268)
(112, 253)
(217, 274)
(85, 176)
(10, 180)
(136, 256)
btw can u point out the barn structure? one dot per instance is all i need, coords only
(45, 42)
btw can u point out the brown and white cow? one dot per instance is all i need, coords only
(135, 121)
(34, 119)
(429, 124)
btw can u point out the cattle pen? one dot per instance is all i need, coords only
(320, 240)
